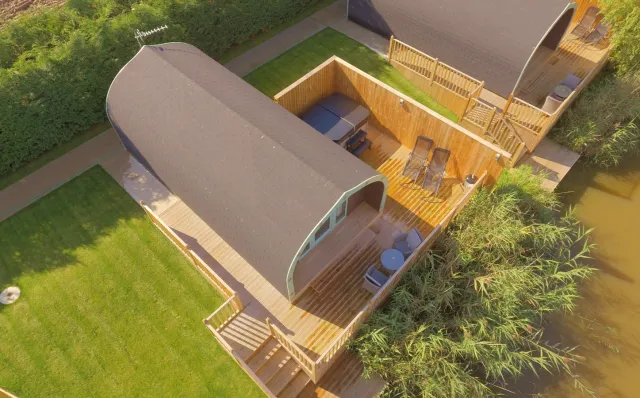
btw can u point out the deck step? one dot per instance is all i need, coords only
(273, 365)
(268, 341)
(245, 334)
(264, 354)
(283, 377)
(295, 387)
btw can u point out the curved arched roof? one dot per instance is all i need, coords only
(255, 173)
(490, 40)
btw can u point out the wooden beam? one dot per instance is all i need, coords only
(506, 106)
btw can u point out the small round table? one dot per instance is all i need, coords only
(562, 91)
(392, 259)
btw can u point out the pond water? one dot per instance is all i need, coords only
(608, 201)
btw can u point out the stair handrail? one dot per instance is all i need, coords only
(308, 365)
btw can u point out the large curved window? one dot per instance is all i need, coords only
(338, 214)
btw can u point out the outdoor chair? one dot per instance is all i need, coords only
(408, 242)
(588, 19)
(571, 81)
(374, 280)
(434, 172)
(417, 158)
(551, 104)
(599, 33)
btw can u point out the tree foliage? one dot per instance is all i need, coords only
(56, 65)
(470, 315)
(624, 15)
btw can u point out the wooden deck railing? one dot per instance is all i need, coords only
(503, 134)
(221, 286)
(326, 360)
(479, 114)
(227, 311)
(529, 121)
(495, 128)
(460, 92)
(532, 123)
(308, 365)
(444, 83)
(223, 315)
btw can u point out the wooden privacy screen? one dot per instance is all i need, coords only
(397, 115)
(309, 89)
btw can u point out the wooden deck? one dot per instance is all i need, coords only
(336, 295)
(552, 161)
(549, 68)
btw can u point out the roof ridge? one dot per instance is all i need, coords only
(253, 126)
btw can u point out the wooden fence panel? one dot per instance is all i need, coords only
(445, 84)
(407, 119)
(308, 90)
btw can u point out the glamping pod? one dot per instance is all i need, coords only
(270, 185)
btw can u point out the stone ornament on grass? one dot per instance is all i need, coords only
(9, 295)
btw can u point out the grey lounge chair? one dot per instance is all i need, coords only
(374, 280)
(434, 172)
(599, 33)
(588, 19)
(408, 242)
(571, 81)
(417, 158)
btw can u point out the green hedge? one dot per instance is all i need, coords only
(57, 65)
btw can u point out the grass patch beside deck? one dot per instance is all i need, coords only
(277, 74)
(109, 306)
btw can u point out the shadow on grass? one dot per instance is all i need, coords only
(45, 235)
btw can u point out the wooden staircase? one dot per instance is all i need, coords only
(277, 369)
(279, 374)
(264, 356)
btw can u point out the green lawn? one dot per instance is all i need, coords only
(109, 306)
(277, 74)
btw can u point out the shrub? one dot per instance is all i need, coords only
(625, 17)
(57, 64)
(470, 316)
(602, 124)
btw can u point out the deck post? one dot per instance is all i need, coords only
(390, 52)
(489, 120)
(506, 106)
(517, 154)
(433, 72)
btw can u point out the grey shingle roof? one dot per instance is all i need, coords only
(255, 173)
(490, 40)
